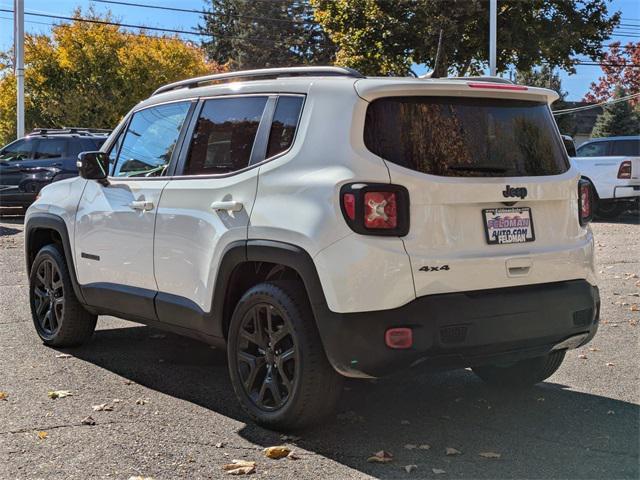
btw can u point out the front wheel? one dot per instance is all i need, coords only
(277, 363)
(523, 373)
(58, 316)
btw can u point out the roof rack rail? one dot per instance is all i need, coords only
(70, 130)
(262, 74)
(484, 78)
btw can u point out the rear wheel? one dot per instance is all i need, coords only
(277, 364)
(59, 318)
(523, 373)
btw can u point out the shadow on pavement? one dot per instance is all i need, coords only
(545, 432)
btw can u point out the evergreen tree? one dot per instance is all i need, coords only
(247, 34)
(617, 119)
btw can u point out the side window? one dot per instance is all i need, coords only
(149, 141)
(18, 150)
(596, 149)
(626, 148)
(50, 148)
(224, 135)
(285, 122)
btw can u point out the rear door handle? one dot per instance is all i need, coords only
(230, 206)
(143, 205)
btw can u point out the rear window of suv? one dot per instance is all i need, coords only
(465, 137)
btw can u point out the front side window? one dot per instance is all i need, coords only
(17, 150)
(283, 127)
(596, 149)
(150, 139)
(626, 148)
(465, 137)
(50, 148)
(224, 136)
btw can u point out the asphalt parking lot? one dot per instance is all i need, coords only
(170, 410)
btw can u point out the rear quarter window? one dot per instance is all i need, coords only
(466, 137)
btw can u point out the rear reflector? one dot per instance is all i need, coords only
(625, 170)
(349, 203)
(398, 338)
(496, 86)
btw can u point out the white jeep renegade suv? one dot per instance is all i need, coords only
(321, 224)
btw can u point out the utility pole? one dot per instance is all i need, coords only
(18, 47)
(493, 27)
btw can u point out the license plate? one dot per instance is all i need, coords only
(508, 225)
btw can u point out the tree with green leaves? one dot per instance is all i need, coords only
(617, 119)
(247, 34)
(387, 37)
(90, 75)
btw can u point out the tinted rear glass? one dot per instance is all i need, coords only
(627, 148)
(465, 137)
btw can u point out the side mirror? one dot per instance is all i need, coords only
(93, 165)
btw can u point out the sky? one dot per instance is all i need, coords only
(576, 85)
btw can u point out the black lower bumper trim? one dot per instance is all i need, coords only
(464, 329)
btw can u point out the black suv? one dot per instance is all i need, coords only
(42, 157)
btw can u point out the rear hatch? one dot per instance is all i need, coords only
(493, 197)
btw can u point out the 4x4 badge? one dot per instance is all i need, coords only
(514, 192)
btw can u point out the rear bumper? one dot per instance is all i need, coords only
(458, 330)
(630, 192)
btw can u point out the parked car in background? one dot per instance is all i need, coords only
(42, 157)
(612, 166)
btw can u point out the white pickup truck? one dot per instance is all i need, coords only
(612, 165)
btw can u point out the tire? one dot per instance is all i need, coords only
(524, 373)
(310, 388)
(609, 209)
(67, 324)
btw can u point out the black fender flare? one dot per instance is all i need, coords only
(48, 221)
(269, 251)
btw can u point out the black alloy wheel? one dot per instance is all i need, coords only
(267, 357)
(49, 300)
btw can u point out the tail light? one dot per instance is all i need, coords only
(625, 170)
(585, 201)
(376, 209)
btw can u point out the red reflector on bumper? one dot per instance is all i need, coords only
(399, 338)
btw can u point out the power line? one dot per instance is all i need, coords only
(199, 12)
(595, 105)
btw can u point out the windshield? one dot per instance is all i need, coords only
(466, 137)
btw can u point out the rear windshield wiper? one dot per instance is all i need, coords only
(478, 168)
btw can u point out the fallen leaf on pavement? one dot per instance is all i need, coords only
(142, 401)
(594, 349)
(634, 308)
(410, 446)
(42, 435)
(3, 396)
(293, 456)
(582, 356)
(219, 445)
(88, 420)
(438, 471)
(425, 446)
(240, 467)
(103, 407)
(59, 394)
(276, 452)
(452, 451)
(490, 455)
(63, 355)
(611, 364)
(410, 468)
(380, 457)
